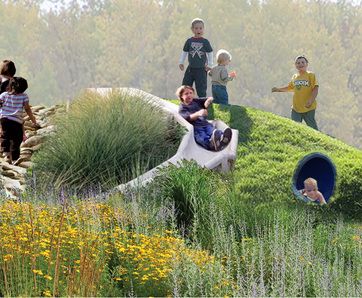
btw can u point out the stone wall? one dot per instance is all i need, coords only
(12, 176)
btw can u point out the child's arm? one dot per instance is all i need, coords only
(208, 102)
(210, 61)
(30, 113)
(225, 76)
(313, 97)
(321, 198)
(182, 60)
(199, 113)
(280, 89)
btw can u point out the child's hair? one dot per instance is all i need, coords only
(311, 181)
(301, 57)
(195, 21)
(180, 91)
(17, 85)
(222, 56)
(7, 68)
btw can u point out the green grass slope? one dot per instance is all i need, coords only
(269, 149)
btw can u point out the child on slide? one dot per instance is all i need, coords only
(194, 110)
(310, 191)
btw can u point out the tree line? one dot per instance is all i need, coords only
(119, 43)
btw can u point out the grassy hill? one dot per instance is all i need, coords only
(269, 150)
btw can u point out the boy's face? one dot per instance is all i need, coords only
(301, 64)
(198, 29)
(187, 96)
(309, 187)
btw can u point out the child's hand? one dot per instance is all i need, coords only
(208, 101)
(181, 67)
(309, 103)
(275, 89)
(232, 74)
(202, 113)
(207, 68)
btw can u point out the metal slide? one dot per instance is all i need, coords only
(188, 150)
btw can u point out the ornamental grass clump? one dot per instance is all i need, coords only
(105, 141)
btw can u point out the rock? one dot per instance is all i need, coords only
(26, 164)
(33, 141)
(26, 151)
(29, 128)
(35, 109)
(47, 111)
(46, 130)
(13, 168)
(25, 157)
(30, 133)
(13, 188)
(37, 147)
(10, 174)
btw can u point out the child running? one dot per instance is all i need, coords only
(220, 77)
(311, 191)
(305, 87)
(13, 102)
(199, 52)
(194, 110)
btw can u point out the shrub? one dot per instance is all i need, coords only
(348, 199)
(106, 141)
(191, 190)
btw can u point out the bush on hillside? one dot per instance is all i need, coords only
(348, 198)
(190, 189)
(104, 141)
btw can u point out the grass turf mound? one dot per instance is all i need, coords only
(269, 149)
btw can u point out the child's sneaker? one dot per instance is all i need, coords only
(226, 137)
(216, 139)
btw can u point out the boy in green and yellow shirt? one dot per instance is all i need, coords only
(305, 87)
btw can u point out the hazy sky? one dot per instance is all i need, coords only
(54, 3)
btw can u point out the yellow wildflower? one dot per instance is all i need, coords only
(36, 271)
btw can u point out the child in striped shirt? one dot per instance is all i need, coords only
(13, 103)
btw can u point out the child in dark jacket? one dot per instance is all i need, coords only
(194, 110)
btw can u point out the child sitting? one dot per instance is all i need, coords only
(13, 102)
(311, 191)
(194, 110)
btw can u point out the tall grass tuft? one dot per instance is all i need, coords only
(105, 141)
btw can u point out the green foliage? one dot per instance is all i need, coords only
(106, 141)
(191, 189)
(349, 195)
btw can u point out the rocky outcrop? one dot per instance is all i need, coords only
(12, 176)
